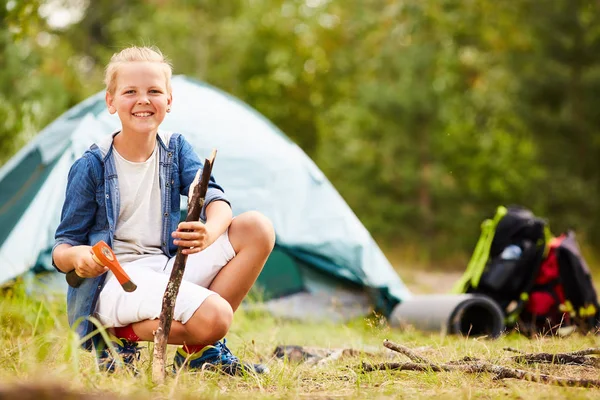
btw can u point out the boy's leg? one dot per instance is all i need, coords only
(228, 267)
(232, 263)
(200, 316)
(209, 323)
(252, 236)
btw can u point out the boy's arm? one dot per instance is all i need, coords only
(62, 257)
(189, 163)
(216, 212)
(79, 258)
(218, 218)
(195, 236)
(70, 250)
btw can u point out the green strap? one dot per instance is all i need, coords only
(548, 236)
(481, 253)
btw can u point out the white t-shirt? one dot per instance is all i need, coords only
(139, 226)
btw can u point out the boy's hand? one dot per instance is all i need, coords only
(85, 266)
(197, 239)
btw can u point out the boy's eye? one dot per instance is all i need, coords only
(155, 91)
(129, 91)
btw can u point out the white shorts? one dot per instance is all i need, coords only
(117, 307)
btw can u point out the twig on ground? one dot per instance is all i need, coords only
(578, 353)
(316, 355)
(513, 350)
(585, 352)
(468, 365)
(406, 351)
(336, 355)
(464, 360)
(575, 358)
(499, 371)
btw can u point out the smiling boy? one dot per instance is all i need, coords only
(125, 190)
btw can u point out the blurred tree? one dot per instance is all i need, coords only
(30, 96)
(425, 142)
(274, 55)
(425, 114)
(558, 83)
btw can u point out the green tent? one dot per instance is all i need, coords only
(321, 244)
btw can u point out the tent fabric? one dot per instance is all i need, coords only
(257, 165)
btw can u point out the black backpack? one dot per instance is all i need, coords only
(540, 282)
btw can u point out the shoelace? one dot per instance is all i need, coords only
(130, 351)
(234, 364)
(226, 354)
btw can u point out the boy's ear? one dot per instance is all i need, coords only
(169, 102)
(109, 103)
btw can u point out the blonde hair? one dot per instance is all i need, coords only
(133, 54)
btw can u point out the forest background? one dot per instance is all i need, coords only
(425, 114)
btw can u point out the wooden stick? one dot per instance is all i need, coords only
(406, 351)
(578, 353)
(575, 358)
(499, 371)
(474, 366)
(161, 335)
(512, 350)
(586, 352)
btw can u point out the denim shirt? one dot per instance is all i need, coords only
(91, 210)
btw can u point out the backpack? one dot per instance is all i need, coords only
(541, 282)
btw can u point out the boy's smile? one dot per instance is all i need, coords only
(141, 97)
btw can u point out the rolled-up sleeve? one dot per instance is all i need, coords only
(79, 208)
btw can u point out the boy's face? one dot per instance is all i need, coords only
(141, 98)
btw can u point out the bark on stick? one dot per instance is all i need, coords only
(195, 204)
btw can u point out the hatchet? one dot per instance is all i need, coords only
(103, 255)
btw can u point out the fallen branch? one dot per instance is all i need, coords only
(499, 371)
(513, 350)
(469, 365)
(196, 202)
(316, 355)
(574, 358)
(336, 355)
(584, 352)
(405, 350)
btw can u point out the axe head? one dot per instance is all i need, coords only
(104, 255)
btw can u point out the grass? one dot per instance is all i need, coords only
(38, 352)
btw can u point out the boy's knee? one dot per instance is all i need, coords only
(256, 227)
(263, 228)
(213, 319)
(222, 317)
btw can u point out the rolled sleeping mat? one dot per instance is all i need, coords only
(465, 314)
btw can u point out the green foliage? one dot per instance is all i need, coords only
(25, 315)
(31, 95)
(425, 114)
(559, 84)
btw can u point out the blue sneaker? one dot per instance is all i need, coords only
(217, 357)
(129, 353)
